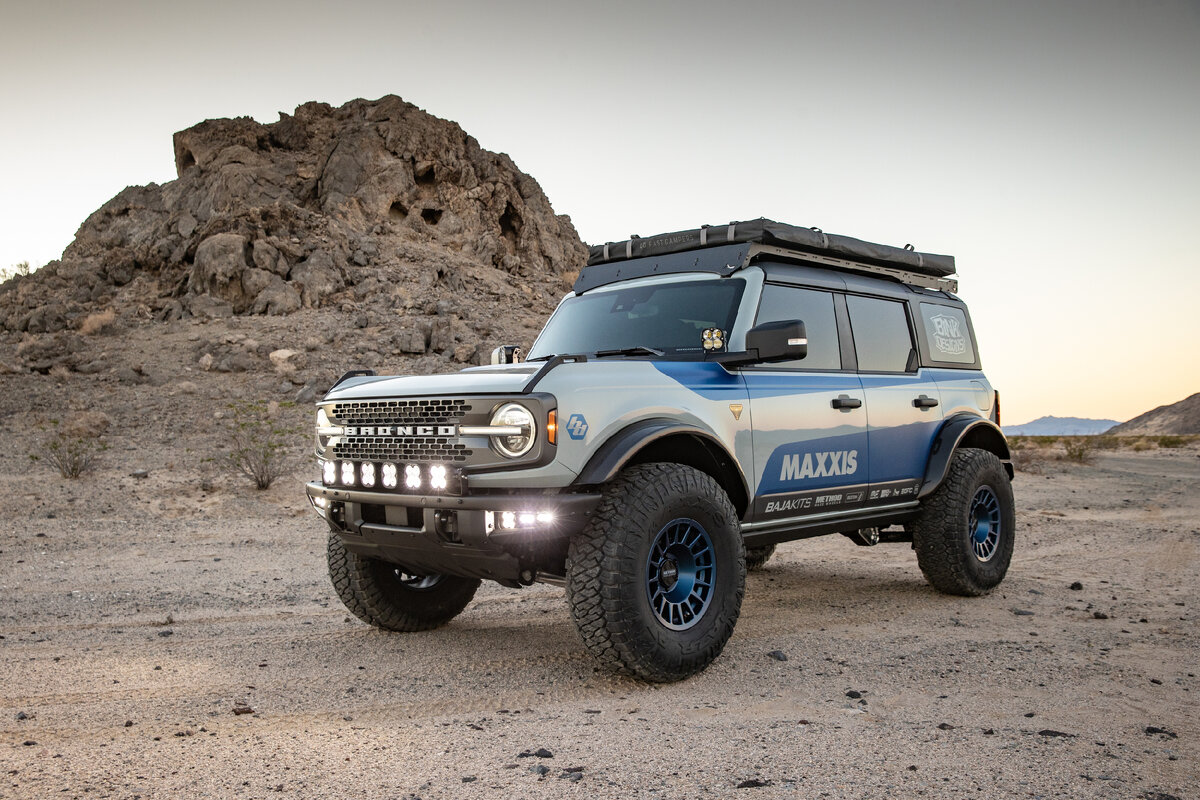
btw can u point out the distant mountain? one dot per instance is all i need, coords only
(1178, 418)
(1060, 426)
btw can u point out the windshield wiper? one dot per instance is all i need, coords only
(636, 350)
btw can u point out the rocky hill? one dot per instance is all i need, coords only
(1178, 418)
(375, 215)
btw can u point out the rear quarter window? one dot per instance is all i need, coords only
(948, 334)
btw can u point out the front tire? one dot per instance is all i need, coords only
(964, 534)
(386, 596)
(655, 581)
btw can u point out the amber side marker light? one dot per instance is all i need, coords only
(552, 427)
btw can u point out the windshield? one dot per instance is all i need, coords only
(668, 317)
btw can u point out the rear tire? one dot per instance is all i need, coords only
(655, 581)
(964, 534)
(384, 595)
(757, 557)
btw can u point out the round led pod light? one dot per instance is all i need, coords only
(514, 415)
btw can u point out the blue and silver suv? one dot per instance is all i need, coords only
(698, 398)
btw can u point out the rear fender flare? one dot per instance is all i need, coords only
(963, 431)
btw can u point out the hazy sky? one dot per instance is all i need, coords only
(1050, 146)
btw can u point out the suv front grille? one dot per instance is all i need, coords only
(400, 449)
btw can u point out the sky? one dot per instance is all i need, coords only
(1050, 146)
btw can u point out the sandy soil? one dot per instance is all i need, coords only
(139, 616)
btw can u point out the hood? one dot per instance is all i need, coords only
(506, 379)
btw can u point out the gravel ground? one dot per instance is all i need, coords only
(157, 641)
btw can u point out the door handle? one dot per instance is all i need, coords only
(925, 402)
(845, 401)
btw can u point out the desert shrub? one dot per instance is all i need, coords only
(261, 441)
(15, 271)
(1172, 441)
(1029, 459)
(1106, 442)
(1080, 449)
(100, 322)
(1141, 445)
(1044, 441)
(71, 455)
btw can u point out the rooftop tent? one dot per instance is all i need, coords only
(776, 234)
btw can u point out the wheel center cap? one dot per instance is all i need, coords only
(668, 573)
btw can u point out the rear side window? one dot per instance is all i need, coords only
(882, 339)
(813, 308)
(948, 334)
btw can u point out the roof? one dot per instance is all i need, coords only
(777, 234)
(724, 249)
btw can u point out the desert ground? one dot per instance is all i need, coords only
(163, 639)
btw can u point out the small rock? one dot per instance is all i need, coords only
(29, 743)
(945, 726)
(166, 633)
(753, 783)
(1022, 612)
(1030, 715)
(1076, 586)
(854, 694)
(469, 779)
(22, 715)
(989, 732)
(778, 655)
(140, 474)
(1099, 615)
(1151, 730)
(128, 723)
(539, 769)
(1051, 733)
(242, 709)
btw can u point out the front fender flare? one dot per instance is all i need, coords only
(962, 431)
(612, 456)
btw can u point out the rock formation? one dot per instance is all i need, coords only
(372, 208)
(1174, 419)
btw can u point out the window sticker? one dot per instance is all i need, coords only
(949, 339)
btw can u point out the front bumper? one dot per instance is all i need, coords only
(458, 535)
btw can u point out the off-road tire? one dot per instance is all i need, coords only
(610, 579)
(375, 592)
(757, 557)
(942, 534)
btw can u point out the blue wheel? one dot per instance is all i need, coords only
(984, 523)
(964, 534)
(655, 580)
(680, 573)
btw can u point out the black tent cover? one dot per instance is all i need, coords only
(777, 234)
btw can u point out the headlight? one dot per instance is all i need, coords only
(514, 415)
(325, 430)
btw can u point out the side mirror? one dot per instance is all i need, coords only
(507, 354)
(785, 340)
(778, 341)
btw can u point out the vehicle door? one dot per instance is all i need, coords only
(809, 419)
(903, 401)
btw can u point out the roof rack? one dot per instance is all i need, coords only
(904, 276)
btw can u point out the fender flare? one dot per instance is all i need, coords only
(962, 431)
(612, 456)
